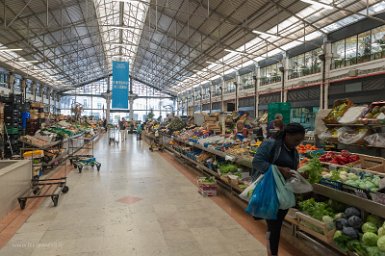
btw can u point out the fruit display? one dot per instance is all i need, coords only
(343, 158)
(176, 124)
(303, 149)
(376, 113)
(338, 110)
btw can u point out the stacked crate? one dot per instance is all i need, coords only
(36, 119)
(13, 108)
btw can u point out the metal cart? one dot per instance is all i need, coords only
(46, 187)
(113, 135)
(156, 143)
(80, 161)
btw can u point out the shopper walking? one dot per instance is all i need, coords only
(122, 128)
(281, 152)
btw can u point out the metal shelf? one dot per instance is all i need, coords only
(238, 160)
(350, 199)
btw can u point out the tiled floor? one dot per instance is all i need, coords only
(139, 204)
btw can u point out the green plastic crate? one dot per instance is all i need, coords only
(279, 107)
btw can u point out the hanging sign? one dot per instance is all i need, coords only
(120, 74)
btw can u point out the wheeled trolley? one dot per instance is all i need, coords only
(79, 161)
(155, 143)
(44, 188)
(113, 136)
(41, 187)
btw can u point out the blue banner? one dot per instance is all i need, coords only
(120, 74)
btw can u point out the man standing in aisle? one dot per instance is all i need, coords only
(122, 128)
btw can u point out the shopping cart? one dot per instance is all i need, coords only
(156, 143)
(42, 187)
(79, 161)
(113, 135)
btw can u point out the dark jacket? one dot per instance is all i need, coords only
(266, 155)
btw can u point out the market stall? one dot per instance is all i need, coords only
(348, 188)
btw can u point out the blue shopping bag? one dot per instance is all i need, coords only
(264, 201)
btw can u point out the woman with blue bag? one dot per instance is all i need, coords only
(279, 154)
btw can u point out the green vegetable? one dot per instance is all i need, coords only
(316, 209)
(369, 227)
(328, 221)
(381, 231)
(381, 243)
(339, 215)
(341, 240)
(375, 220)
(356, 246)
(370, 239)
(313, 168)
(373, 251)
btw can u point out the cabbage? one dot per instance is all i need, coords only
(328, 221)
(375, 220)
(369, 227)
(355, 222)
(381, 243)
(351, 211)
(381, 231)
(370, 239)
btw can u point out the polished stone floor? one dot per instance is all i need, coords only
(138, 205)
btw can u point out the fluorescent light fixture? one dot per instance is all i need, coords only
(264, 33)
(11, 50)
(120, 27)
(210, 62)
(319, 4)
(28, 61)
(233, 51)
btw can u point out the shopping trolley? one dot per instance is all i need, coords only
(155, 143)
(113, 135)
(79, 161)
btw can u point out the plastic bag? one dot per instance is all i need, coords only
(376, 140)
(347, 135)
(298, 184)
(285, 197)
(245, 195)
(352, 115)
(264, 202)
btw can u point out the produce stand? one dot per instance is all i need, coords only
(178, 149)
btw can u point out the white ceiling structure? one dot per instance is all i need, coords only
(171, 45)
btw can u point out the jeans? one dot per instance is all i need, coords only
(123, 135)
(274, 232)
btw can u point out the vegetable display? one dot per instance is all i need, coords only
(313, 170)
(343, 158)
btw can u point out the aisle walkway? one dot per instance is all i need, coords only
(138, 205)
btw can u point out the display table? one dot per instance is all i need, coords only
(15, 178)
